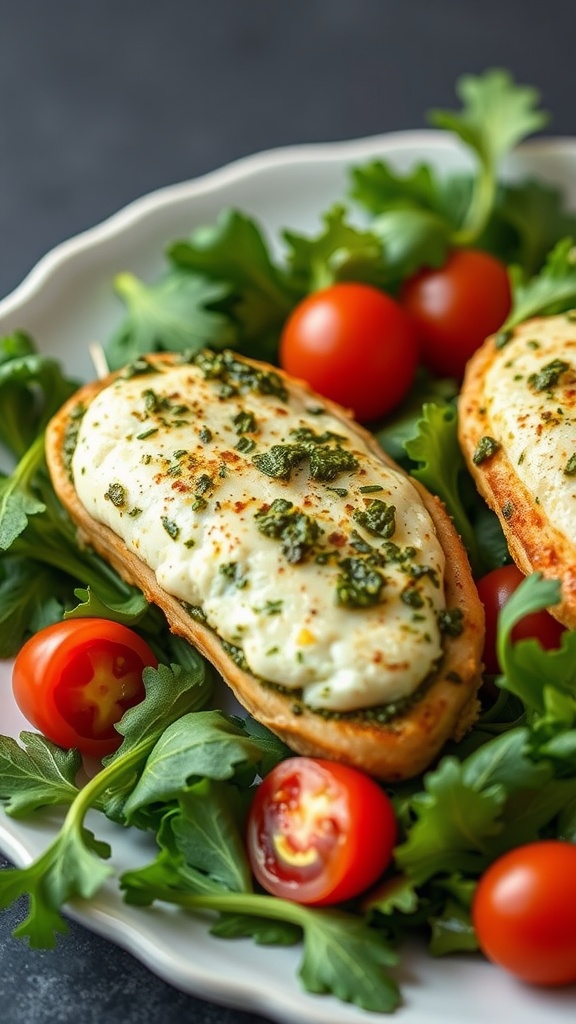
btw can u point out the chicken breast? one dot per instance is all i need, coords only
(517, 426)
(327, 587)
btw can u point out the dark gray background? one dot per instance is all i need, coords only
(101, 102)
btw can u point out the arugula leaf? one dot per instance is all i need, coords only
(454, 819)
(129, 611)
(262, 931)
(535, 212)
(339, 252)
(32, 389)
(439, 465)
(342, 955)
(553, 290)
(71, 865)
(402, 425)
(411, 239)
(378, 188)
(259, 294)
(496, 115)
(31, 597)
(452, 930)
(37, 774)
(207, 833)
(208, 744)
(17, 499)
(175, 314)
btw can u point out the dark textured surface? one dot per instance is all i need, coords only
(101, 103)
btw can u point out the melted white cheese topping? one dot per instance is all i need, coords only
(157, 460)
(530, 399)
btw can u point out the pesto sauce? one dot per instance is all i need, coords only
(549, 375)
(325, 461)
(237, 376)
(297, 532)
(71, 436)
(381, 714)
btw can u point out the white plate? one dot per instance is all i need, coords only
(66, 303)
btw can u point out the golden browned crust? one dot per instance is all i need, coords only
(534, 543)
(397, 750)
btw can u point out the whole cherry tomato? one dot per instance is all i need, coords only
(456, 307)
(75, 679)
(524, 912)
(495, 589)
(319, 832)
(353, 344)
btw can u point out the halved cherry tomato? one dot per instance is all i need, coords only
(456, 307)
(75, 679)
(524, 912)
(319, 832)
(354, 344)
(494, 590)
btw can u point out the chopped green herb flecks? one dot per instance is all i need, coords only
(325, 461)
(502, 338)
(245, 423)
(205, 435)
(361, 545)
(450, 621)
(549, 375)
(378, 518)
(308, 436)
(204, 483)
(136, 368)
(238, 376)
(359, 584)
(411, 596)
(271, 608)
(245, 445)
(116, 493)
(235, 573)
(485, 449)
(280, 460)
(570, 467)
(370, 488)
(417, 572)
(297, 531)
(147, 433)
(172, 528)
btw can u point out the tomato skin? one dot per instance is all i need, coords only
(74, 680)
(319, 832)
(353, 344)
(524, 912)
(456, 307)
(494, 590)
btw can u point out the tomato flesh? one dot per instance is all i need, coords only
(353, 344)
(524, 912)
(456, 307)
(319, 832)
(75, 679)
(494, 590)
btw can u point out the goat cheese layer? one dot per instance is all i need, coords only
(316, 564)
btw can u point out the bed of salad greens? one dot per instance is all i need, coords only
(185, 769)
